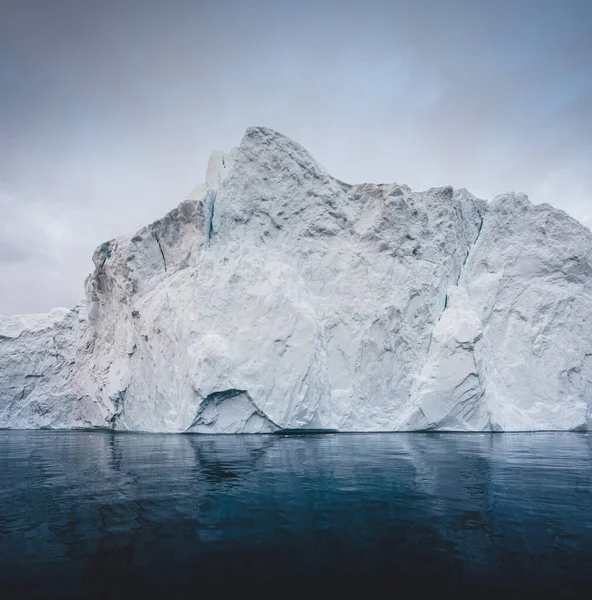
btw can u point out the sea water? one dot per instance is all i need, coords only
(103, 515)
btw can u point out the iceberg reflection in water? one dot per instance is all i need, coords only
(98, 514)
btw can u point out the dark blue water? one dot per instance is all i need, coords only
(99, 515)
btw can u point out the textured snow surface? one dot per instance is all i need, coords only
(277, 296)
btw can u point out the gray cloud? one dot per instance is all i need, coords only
(109, 110)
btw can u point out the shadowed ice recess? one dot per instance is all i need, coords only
(99, 514)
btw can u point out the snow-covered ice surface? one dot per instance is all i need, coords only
(278, 297)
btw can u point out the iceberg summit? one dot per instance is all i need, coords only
(276, 297)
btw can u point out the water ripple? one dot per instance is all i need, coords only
(98, 515)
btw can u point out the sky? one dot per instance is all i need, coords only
(110, 109)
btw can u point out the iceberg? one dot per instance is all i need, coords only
(277, 297)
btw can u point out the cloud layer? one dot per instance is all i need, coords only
(109, 110)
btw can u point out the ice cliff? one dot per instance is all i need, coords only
(278, 297)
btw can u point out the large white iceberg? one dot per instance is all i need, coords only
(278, 297)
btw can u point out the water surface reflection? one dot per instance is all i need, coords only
(98, 515)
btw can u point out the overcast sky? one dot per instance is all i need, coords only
(109, 109)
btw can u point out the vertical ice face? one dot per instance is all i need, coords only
(276, 296)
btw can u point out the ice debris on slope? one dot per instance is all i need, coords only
(278, 297)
